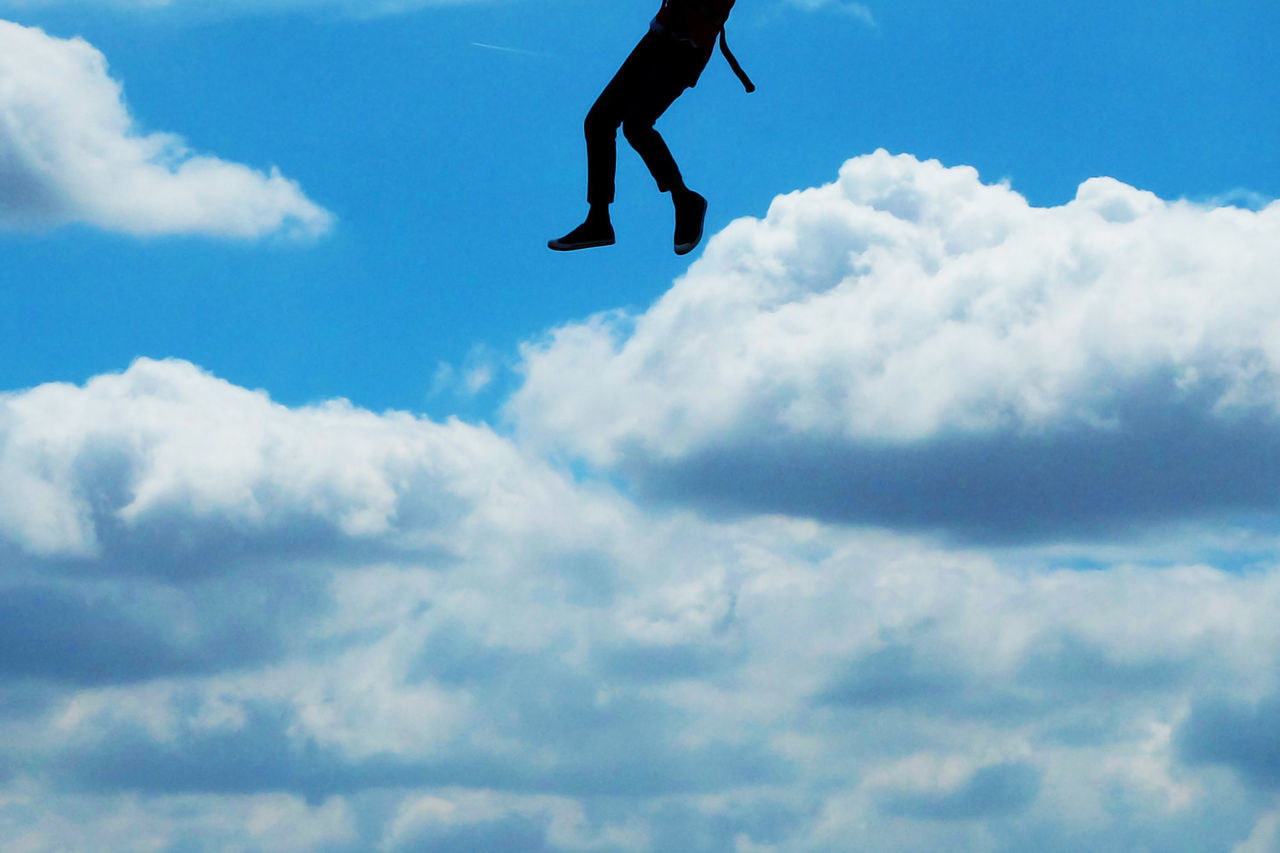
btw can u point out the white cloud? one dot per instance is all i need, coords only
(860, 11)
(409, 633)
(422, 820)
(227, 623)
(908, 338)
(477, 373)
(71, 153)
(1265, 836)
(31, 820)
(164, 439)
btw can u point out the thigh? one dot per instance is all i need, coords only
(649, 81)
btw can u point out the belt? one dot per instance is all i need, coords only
(733, 63)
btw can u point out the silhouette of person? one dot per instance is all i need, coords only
(669, 59)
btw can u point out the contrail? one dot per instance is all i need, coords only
(506, 49)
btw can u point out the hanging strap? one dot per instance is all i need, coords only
(733, 63)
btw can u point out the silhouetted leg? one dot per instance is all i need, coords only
(601, 130)
(648, 82)
(691, 208)
(603, 120)
(638, 128)
(666, 83)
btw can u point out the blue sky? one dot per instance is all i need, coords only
(930, 504)
(448, 166)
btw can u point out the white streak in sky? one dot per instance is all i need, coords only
(506, 49)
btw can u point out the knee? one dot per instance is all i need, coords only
(599, 124)
(636, 129)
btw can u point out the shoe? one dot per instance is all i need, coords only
(691, 210)
(588, 235)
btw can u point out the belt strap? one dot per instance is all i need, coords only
(733, 63)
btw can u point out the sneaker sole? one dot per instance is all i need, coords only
(561, 246)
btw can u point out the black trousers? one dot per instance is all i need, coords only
(652, 77)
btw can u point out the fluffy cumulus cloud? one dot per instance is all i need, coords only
(230, 624)
(914, 347)
(226, 623)
(71, 153)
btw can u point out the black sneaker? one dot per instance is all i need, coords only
(588, 235)
(691, 210)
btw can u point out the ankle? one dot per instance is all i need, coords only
(598, 214)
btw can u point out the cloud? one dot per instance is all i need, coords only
(268, 822)
(465, 821)
(476, 374)
(232, 623)
(1235, 733)
(911, 347)
(859, 11)
(198, 522)
(995, 790)
(119, 464)
(79, 638)
(71, 153)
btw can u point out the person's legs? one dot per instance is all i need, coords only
(656, 72)
(648, 82)
(655, 86)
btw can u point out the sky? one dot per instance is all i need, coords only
(932, 503)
